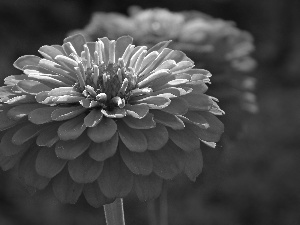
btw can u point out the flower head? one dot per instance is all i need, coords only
(104, 118)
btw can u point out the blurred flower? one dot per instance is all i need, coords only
(105, 118)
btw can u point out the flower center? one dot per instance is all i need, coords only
(104, 84)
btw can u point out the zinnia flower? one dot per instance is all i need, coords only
(104, 118)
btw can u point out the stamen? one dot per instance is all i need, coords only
(101, 51)
(104, 78)
(112, 46)
(102, 97)
(80, 78)
(119, 73)
(96, 74)
(124, 86)
(82, 70)
(96, 56)
(90, 90)
(88, 56)
(118, 101)
(121, 62)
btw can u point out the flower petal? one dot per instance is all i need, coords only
(84, 169)
(21, 99)
(65, 189)
(159, 46)
(134, 139)
(64, 113)
(184, 139)
(94, 196)
(167, 119)
(48, 136)
(178, 106)
(215, 130)
(27, 171)
(182, 66)
(115, 180)
(64, 91)
(26, 60)
(32, 87)
(193, 164)
(72, 149)
(104, 131)
(121, 45)
(77, 41)
(148, 187)
(156, 137)
(139, 163)
(8, 162)
(198, 101)
(20, 111)
(146, 122)
(71, 129)
(5, 121)
(93, 118)
(25, 133)
(115, 113)
(154, 102)
(136, 111)
(102, 151)
(197, 119)
(41, 115)
(47, 164)
(7, 148)
(168, 161)
(159, 77)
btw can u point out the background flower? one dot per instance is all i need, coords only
(214, 44)
(104, 118)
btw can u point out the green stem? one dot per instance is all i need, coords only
(114, 213)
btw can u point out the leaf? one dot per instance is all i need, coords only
(32, 87)
(64, 113)
(184, 139)
(146, 122)
(84, 169)
(116, 180)
(103, 150)
(147, 187)
(93, 118)
(104, 131)
(47, 164)
(65, 189)
(134, 139)
(168, 161)
(94, 196)
(156, 137)
(27, 171)
(139, 163)
(71, 129)
(193, 164)
(26, 60)
(168, 119)
(72, 149)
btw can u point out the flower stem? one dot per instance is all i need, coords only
(114, 213)
(163, 206)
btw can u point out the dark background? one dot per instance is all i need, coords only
(253, 180)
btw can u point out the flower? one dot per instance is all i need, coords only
(104, 118)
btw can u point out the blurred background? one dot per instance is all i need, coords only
(252, 176)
